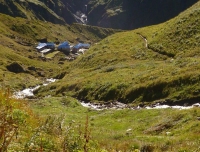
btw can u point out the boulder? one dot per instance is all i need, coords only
(61, 75)
(32, 68)
(15, 67)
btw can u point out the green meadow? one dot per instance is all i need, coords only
(62, 124)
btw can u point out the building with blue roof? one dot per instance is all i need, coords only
(80, 46)
(64, 47)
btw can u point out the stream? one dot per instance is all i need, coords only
(29, 93)
(119, 106)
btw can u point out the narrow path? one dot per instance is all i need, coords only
(145, 39)
(170, 55)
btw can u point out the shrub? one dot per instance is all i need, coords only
(13, 115)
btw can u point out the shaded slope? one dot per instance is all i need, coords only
(121, 67)
(118, 14)
(145, 13)
(55, 11)
(127, 14)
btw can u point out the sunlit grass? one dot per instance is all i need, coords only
(163, 129)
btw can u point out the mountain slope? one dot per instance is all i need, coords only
(122, 67)
(55, 11)
(120, 14)
(126, 14)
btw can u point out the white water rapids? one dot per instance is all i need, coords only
(119, 106)
(80, 18)
(158, 106)
(28, 93)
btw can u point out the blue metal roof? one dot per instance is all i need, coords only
(64, 45)
(41, 45)
(82, 45)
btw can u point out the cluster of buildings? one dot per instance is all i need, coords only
(64, 47)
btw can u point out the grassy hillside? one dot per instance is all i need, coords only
(35, 30)
(123, 67)
(18, 39)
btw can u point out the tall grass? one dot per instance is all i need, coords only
(21, 130)
(14, 116)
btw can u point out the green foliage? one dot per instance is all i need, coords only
(55, 135)
(18, 124)
(14, 116)
(22, 29)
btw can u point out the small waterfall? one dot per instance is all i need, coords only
(80, 17)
